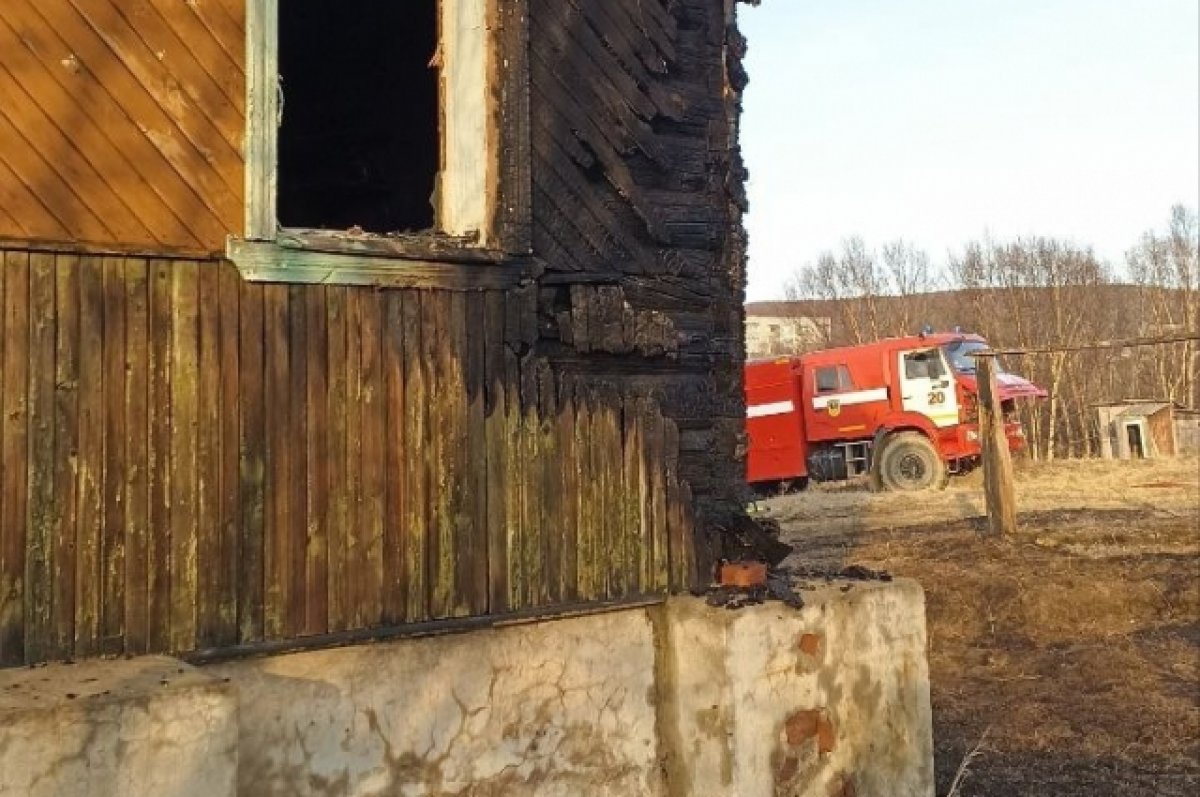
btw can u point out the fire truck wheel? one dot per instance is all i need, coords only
(910, 462)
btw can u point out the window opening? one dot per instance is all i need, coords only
(832, 378)
(923, 365)
(359, 143)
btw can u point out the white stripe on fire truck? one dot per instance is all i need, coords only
(774, 408)
(846, 399)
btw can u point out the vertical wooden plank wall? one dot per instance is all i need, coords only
(190, 461)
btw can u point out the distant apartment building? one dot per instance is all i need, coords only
(771, 335)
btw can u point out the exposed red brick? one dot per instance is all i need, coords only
(787, 770)
(841, 786)
(825, 735)
(743, 574)
(802, 726)
(809, 644)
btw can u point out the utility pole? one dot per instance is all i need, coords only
(999, 495)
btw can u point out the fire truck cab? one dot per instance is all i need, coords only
(903, 410)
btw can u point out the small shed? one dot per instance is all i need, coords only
(1147, 429)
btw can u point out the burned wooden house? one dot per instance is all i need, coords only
(328, 320)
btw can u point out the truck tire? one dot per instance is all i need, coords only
(910, 462)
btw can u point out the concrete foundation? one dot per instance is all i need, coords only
(680, 700)
(150, 726)
(828, 701)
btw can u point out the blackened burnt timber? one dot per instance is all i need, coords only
(638, 201)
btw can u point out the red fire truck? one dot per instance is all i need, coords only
(902, 410)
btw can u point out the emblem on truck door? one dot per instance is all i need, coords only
(835, 408)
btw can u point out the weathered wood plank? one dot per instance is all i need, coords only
(340, 498)
(112, 539)
(40, 639)
(229, 507)
(137, 478)
(372, 432)
(445, 407)
(472, 573)
(159, 467)
(277, 562)
(66, 442)
(316, 439)
(514, 478)
(252, 465)
(293, 436)
(569, 484)
(14, 437)
(497, 442)
(185, 420)
(355, 539)
(630, 496)
(208, 463)
(656, 452)
(395, 563)
(550, 505)
(417, 398)
(90, 463)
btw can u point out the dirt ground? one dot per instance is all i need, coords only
(1067, 656)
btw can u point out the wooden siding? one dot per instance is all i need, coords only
(637, 205)
(121, 122)
(191, 461)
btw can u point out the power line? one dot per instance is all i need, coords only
(1129, 343)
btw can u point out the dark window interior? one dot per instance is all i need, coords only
(923, 365)
(827, 379)
(359, 145)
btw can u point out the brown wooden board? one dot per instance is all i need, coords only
(394, 601)
(295, 478)
(472, 565)
(40, 641)
(496, 443)
(354, 553)
(369, 564)
(137, 476)
(208, 462)
(277, 563)
(230, 520)
(159, 468)
(443, 409)
(90, 460)
(66, 444)
(14, 437)
(185, 420)
(417, 399)
(252, 464)
(340, 498)
(316, 438)
(112, 541)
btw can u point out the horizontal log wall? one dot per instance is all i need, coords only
(191, 461)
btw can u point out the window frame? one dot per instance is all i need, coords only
(268, 252)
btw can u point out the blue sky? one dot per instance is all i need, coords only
(940, 121)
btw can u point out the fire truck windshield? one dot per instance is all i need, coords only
(959, 353)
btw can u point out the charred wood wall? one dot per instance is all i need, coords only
(191, 461)
(637, 198)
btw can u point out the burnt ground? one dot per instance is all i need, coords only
(1069, 655)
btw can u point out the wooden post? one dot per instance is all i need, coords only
(999, 496)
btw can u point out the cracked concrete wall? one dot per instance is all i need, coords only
(150, 726)
(831, 700)
(678, 700)
(557, 709)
